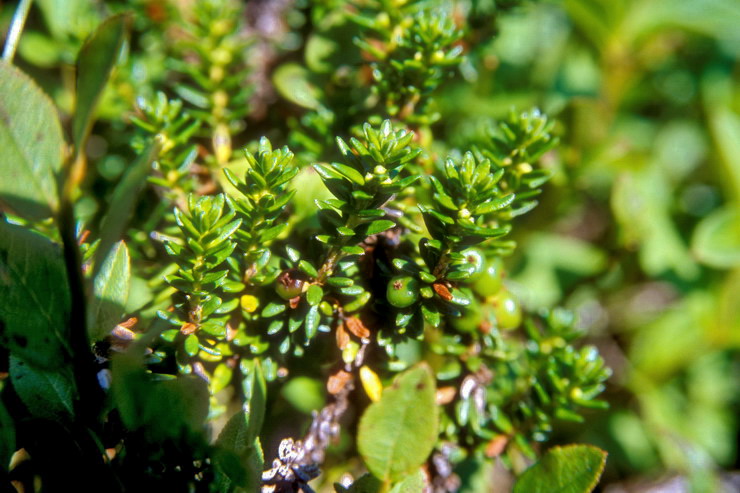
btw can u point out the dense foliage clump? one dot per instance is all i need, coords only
(286, 246)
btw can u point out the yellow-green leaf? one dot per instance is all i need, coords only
(398, 432)
(95, 63)
(32, 146)
(569, 469)
(110, 292)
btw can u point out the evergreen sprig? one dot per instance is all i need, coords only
(516, 391)
(212, 58)
(206, 231)
(262, 199)
(176, 128)
(368, 178)
(415, 50)
(464, 194)
(516, 145)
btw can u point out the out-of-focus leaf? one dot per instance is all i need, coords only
(110, 292)
(397, 433)
(95, 63)
(239, 458)
(35, 297)
(716, 240)
(641, 202)
(32, 146)
(569, 469)
(39, 50)
(727, 329)
(713, 18)
(291, 81)
(68, 18)
(677, 337)
(123, 200)
(412, 483)
(255, 392)
(318, 50)
(546, 254)
(170, 409)
(724, 125)
(305, 394)
(239, 455)
(46, 393)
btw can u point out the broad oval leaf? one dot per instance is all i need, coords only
(95, 63)
(716, 240)
(32, 146)
(569, 469)
(412, 483)
(238, 456)
(110, 292)
(398, 432)
(46, 393)
(292, 82)
(170, 409)
(35, 305)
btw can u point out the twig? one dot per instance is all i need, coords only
(16, 27)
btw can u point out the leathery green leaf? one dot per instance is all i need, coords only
(35, 297)
(95, 63)
(46, 393)
(32, 146)
(398, 432)
(569, 469)
(716, 240)
(110, 292)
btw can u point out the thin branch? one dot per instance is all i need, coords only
(16, 27)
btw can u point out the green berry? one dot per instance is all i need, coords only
(506, 310)
(474, 258)
(289, 284)
(403, 291)
(491, 279)
(470, 320)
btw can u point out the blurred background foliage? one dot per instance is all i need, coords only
(638, 232)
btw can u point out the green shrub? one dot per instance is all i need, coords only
(265, 245)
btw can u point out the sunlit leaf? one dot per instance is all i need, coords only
(110, 292)
(569, 469)
(96, 60)
(398, 432)
(32, 146)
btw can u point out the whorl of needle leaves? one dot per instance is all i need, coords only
(176, 127)
(262, 198)
(368, 178)
(206, 230)
(211, 56)
(418, 49)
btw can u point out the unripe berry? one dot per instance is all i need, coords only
(403, 291)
